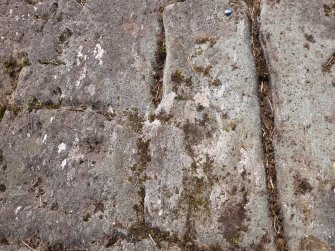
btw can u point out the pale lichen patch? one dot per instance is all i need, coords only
(61, 147)
(98, 52)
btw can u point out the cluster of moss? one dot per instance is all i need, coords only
(14, 66)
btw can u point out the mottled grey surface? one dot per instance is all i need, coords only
(212, 185)
(304, 106)
(89, 162)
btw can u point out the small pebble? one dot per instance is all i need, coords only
(228, 12)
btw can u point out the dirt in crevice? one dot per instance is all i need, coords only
(267, 122)
(160, 58)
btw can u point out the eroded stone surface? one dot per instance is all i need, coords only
(123, 174)
(68, 177)
(297, 51)
(206, 179)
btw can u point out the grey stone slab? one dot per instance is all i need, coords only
(206, 181)
(100, 52)
(299, 39)
(66, 177)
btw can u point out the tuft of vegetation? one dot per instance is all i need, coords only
(14, 66)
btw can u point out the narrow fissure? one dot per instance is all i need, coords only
(267, 122)
(160, 57)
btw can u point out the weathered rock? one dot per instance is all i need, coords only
(67, 177)
(206, 181)
(303, 87)
(72, 176)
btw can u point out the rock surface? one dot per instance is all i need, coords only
(135, 125)
(304, 108)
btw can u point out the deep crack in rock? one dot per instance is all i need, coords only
(160, 58)
(267, 122)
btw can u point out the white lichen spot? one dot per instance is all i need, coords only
(45, 138)
(61, 147)
(98, 52)
(63, 164)
(18, 209)
(202, 97)
(80, 55)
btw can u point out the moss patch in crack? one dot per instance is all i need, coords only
(64, 36)
(205, 71)
(161, 116)
(160, 58)
(55, 62)
(15, 109)
(81, 2)
(232, 221)
(196, 194)
(329, 10)
(14, 66)
(35, 104)
(135, 121)
(2, 111)
(139, 175)
(202, 40)
(267, 120)
(181, 85)
(140, 231)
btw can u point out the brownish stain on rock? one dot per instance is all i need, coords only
(301, 185)
(312, 243)
(232, 221)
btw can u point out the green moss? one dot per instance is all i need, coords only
(64, 37)
(231, 126)
(14, 66)
(328, 9)
(135, 121)
(204, 70)
(196, 193)
(2, 111)
(235, 241)
(178, 77)
(14, 109)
